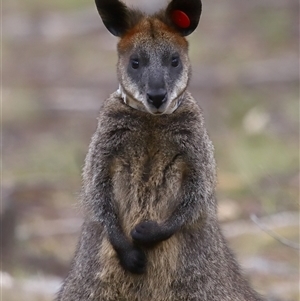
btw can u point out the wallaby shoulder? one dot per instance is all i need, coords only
(117, 122)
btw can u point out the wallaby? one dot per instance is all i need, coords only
(151, 230)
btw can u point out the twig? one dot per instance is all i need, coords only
(275, 221)
(279, 238)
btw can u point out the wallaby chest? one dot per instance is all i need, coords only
(147, 173)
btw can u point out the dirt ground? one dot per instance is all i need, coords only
(58, 66)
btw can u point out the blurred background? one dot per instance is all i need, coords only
(59, 66)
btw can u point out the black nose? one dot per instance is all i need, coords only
(157, 97)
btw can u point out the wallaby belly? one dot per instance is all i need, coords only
(145, 187)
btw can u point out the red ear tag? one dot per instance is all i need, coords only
(181, 19)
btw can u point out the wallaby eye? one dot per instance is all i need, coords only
(175, 62)
(135, 63)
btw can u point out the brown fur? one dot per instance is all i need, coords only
(144, 165)
(150, 26)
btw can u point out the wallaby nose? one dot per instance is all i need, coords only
(157, 97)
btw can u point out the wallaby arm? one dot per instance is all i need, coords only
(98, 199)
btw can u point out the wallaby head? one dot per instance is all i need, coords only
(153, 64)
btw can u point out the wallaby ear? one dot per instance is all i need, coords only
(184, 15)
(114, 15)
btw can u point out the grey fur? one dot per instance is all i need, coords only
(151, 230)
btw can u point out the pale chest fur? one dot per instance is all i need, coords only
(146, 182)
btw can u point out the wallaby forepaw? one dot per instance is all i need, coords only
(133, 260)
(147, 233)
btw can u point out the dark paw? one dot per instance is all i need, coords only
(133, 260)
(147, 233)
